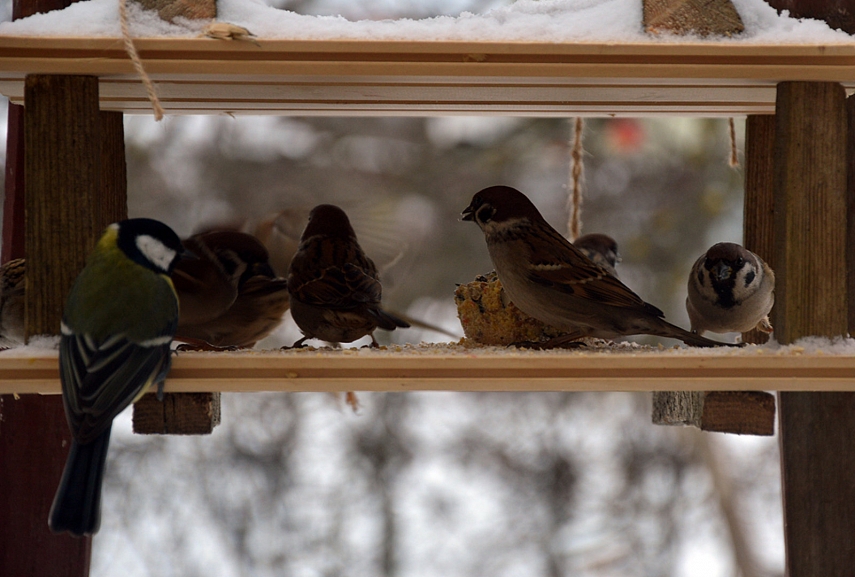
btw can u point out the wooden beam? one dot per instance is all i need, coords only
(739, 412)
(424, 369)
(850, 202)
(177, 414)
(818, 459)
(34, 440)
(63, 163)
(202, 76)
(758, 225)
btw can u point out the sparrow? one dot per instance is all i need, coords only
(334, 287)
(731, 289)
(601, 249)
(12, 300)
(116, 331)
(551, 280)
(230, 297)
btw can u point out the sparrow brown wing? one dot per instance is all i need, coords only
(567, 269)
(339, 279)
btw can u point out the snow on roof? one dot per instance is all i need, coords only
(525, 20)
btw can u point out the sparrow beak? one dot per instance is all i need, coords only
(188, 254)
(721, 271)
(468, 213)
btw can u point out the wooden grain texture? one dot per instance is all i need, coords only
(810, 211)
(818, 459)
(329, 77)
(330, 371)
(701, 17)
(62, 165)
(169, 10)
(34, 440)
(34, 436)
(113, 199)
(850, 212)
(758, 224)
(13, 201)
(177, 414)
(738, 412)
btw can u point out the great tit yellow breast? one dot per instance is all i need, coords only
(116, 295)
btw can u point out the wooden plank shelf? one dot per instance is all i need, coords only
(474, 370)
(350, 77)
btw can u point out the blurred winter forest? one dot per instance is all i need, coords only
(450, 484)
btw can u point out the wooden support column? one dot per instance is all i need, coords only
(817, 429)
(62, 174)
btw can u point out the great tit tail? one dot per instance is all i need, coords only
(77, 505)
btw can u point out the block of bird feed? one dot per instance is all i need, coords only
(489, 318)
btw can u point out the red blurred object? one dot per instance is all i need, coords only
(624, 135)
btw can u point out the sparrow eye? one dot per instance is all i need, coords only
(749, 278)
(485, 213)
(740, 261)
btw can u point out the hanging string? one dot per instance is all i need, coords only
(135, 59)
(574, 225)
(734, 156)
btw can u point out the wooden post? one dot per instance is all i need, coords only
(63, 163)
(758, 226)
(817, 429)
(850, 211)
(62, 174)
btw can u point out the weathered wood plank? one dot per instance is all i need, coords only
(818, 459)
(701, 17)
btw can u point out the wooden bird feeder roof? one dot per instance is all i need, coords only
(350, 77)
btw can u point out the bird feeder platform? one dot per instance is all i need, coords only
(454, 368)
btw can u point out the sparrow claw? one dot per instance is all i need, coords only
(203, 346)
(299, 344)
(554, 343)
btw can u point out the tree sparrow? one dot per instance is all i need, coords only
(551, 280)
(601, 249)
(12, 293)
(229, 295)
(335, 290)
(731, 289)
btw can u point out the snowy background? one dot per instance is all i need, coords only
(438, 483)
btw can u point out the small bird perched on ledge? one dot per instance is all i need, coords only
(230, 297)
(601, 249)
(12, 276)
(334, 287)
(551, 280)
(731, 289)
(117, 327)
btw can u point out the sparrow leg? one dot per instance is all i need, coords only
(563, 342)
(203, 346)
(297, 345)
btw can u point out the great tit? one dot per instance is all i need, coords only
(117, 327)
(229, 295)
